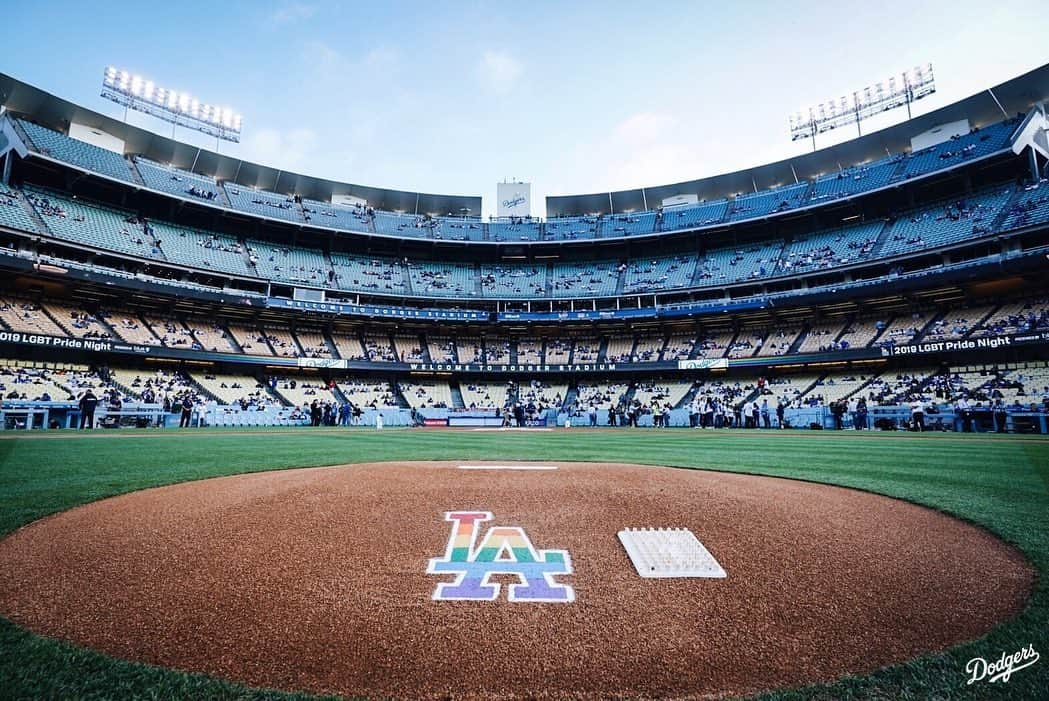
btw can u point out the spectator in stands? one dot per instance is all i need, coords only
(88, 404)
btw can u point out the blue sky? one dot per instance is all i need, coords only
(576, 97)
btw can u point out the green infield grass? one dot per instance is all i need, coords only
(998, 482)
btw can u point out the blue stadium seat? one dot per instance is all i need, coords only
(12, 211)
(76, 152)
(830, 249)
(261, 202)
(336, 216)
(940, 225)
(766, 202)
(1030, 207)
(92, 225)
(508, 281)
(513, 231)
(693, 215)
(180, 182)
(659, 273)
(202, 249)
(393, 224)
(293, 264)
(853, 181)
(571, 228)
(589, 279)
(360, 274)
(443, 279)
(967, 147)
(738, 264)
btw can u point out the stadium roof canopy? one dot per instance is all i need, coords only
(1015, 96)
(51, 111)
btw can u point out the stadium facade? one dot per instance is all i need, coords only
(906, 264)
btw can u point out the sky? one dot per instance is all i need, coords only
(575, 97)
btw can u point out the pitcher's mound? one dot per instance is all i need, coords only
(317, 580)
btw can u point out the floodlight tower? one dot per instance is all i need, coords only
(179, 108)
(897, 91)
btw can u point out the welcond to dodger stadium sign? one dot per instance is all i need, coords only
(988, 342)
(523, 367)
(377, 311)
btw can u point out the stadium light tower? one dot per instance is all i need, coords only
(898, 90)
(179, 108)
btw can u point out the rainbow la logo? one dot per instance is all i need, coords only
(502, 550)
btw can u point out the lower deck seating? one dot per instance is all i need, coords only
(484, 395)
(789, 389)
(558, 350)
(301, 392)
(45, 381)
(234, 389)
(28, 317)
(349, 346)
(250, 339)
(836, 386)
(602, 395)
(662, 393)
(312, 342)
(469, 349)
(542, 394)
(442, 350)
(133, 329)
(427, 395)
(529, 351)
(714, 344)
(156, 385)
(363, 393)
(408, 349)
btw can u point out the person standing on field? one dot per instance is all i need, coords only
(187, 411)
(918, 415)
(88, 403)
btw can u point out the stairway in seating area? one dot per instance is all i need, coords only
(457, 396)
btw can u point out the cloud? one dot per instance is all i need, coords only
(327, 63)
(643, 128)
(498, 71)
(643, 150)
(295, 149)
(321, 55)
(292, 12)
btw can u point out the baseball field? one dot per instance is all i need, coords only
(260, 587)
